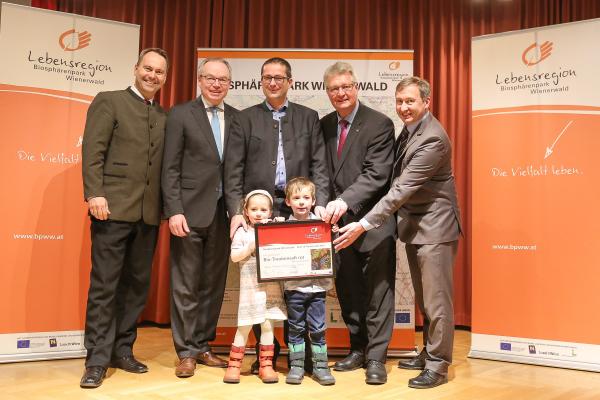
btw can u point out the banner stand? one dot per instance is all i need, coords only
(53, 65)
(535, 174)
(378, 72)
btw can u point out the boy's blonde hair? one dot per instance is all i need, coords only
(297, 184)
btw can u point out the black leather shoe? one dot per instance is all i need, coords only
(417, 362)
(254, 367)
(353, 361)
(375, 373)
(92, 377)
(427, 379)
(129, 364)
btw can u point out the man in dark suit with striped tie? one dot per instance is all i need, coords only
(192, 186)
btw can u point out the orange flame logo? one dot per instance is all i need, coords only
(535, 54)
(394, 65)
(71, 40)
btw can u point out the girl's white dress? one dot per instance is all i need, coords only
(258, 301)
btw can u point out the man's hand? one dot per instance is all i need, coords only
(98, 207)
(178, 225)
(335, 210)
(348, 234)
(237, 221)
(320, 212)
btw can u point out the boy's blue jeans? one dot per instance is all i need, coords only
(306, 309)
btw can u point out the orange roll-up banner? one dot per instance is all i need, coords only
(536, 185)
(53, 64)
(378, 72)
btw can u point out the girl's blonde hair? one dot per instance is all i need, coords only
(258, 192)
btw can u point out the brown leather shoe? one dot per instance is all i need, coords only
(210, 359)
(186, 367)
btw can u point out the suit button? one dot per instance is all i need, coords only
(273, 163)
(152, 144)
(148, 182)
(150, 163)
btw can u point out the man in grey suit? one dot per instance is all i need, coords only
(423, 197)
(121, 161)
(192, 185)
(359, 143)
(273, 142)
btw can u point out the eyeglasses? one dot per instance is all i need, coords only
(345, 88)
(266, 79)
(211, 80)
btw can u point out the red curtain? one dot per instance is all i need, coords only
(47, 4)
(439, 31)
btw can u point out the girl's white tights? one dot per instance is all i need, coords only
(266, 336)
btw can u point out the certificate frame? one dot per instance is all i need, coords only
(294, 250)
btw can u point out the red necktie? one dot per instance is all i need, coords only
(343, 135)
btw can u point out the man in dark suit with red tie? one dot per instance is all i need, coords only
(359, 143)
(196, 137)
(423, 198)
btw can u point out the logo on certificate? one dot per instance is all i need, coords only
(314, 233)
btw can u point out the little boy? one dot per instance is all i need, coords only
(305, 299)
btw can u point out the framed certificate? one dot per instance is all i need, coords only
(293, 250)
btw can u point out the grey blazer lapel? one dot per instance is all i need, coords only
(413, 139)
(199, 114)
(330, 126)
(228, 117)
(287, 135)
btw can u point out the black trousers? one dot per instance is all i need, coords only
(122, 255)
(365, 287)
(199, 264)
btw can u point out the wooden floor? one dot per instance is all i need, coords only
(469, 379)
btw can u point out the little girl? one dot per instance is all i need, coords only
(260, 303)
